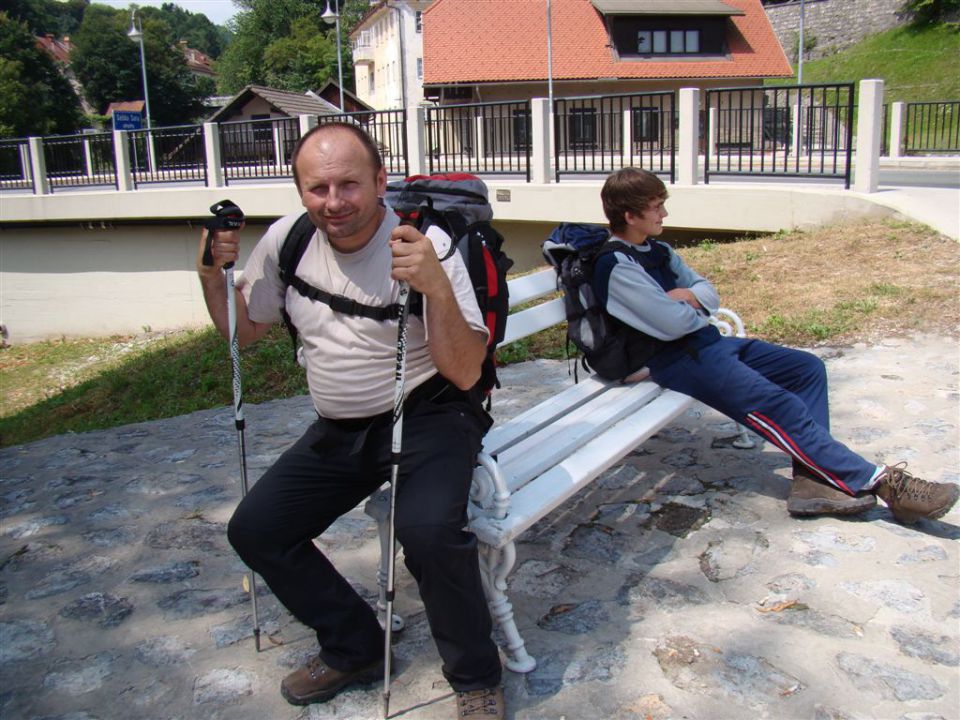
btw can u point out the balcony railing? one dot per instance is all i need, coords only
(607, 133)
(779, 132)
(485, 138)
(797, 130)
(80, 160)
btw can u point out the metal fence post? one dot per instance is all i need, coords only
(869, 123)
(211, 146)
(898, 116)
(38, 167)
(688, 137)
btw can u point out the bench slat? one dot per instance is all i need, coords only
(537, 454)
(541, 496)
(533, 320)
(529, 287)
(505, 435)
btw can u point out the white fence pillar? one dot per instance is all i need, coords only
(714, 118)
(307, 123)
(211, 146)
(869, 130)
(479, 150)
(898, 128)
(38, 167)
(416, 131)
(88, 157)
(540, 141)
(626, 120)
(688, 137)
(121, 159)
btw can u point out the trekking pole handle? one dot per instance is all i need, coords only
(226, 216)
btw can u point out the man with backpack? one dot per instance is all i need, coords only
(662, 305)
(360, 252)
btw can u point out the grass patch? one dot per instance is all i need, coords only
(916, 63)
(833, 285)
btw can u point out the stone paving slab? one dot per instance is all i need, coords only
(675, 587)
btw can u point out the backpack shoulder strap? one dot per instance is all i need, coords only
(294, 246)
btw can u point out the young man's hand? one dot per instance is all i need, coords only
(685, 295)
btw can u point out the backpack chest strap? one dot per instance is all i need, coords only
(343, 304)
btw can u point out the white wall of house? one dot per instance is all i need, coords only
(388, 56)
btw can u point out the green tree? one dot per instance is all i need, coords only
(107, 63)
(286, 44)
(195, 28)
(48, 16)
(35, 98)
(927, 12)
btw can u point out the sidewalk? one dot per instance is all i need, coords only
(677, 587)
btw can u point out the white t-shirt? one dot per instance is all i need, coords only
(350, 360)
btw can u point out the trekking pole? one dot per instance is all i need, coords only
(396, 446)
(228, 216)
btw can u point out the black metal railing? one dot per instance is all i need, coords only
(15, 170)
(797, 130)
(80, 160)
(600, 134)
(388, 128)
(489, 138)
(257, 149)
(932, 127)
(167, 154)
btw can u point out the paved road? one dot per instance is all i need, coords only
(676, 587)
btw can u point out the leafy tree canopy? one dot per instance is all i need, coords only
(107, 63)
(195, 28)
(927, 12)
(286, 44)
(48, 16)
(35, 99)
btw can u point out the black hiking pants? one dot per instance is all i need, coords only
(329, 471)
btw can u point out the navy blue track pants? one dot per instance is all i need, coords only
(778, 392)
(327, 473)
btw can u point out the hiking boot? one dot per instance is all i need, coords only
(315, 682)
(910, 498)
(810, 496)
(486, 704)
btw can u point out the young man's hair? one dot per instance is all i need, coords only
(629, 190)
(368, 143)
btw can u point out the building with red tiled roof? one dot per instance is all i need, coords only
(498, 49)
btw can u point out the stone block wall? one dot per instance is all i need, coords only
(833, 24)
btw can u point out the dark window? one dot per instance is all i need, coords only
(418, 19)
(639, 37)
(521, 130)
(646, 124)
(582, 127)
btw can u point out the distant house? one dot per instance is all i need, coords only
(197, 62)
(60, 51)
(387, 47)
(137, 106)
(271, 125)
(331, 93)
(256, 102)
(498, 49)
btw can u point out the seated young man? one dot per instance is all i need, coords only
(779, 392)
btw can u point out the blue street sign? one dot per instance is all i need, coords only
(127, 120)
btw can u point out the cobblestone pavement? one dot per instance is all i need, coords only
(676, 587)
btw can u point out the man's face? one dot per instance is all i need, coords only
(649, 223)
(340, 189)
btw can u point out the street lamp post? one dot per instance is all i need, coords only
(329, 16)
(136, 34)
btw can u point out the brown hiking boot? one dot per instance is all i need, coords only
(910, 498)
(811, 496)
(486, 704)
(315, 682)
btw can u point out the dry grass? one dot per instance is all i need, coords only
(838, 284)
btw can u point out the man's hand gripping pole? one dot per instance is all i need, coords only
(227, 216)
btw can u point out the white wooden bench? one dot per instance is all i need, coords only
(534, 462)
